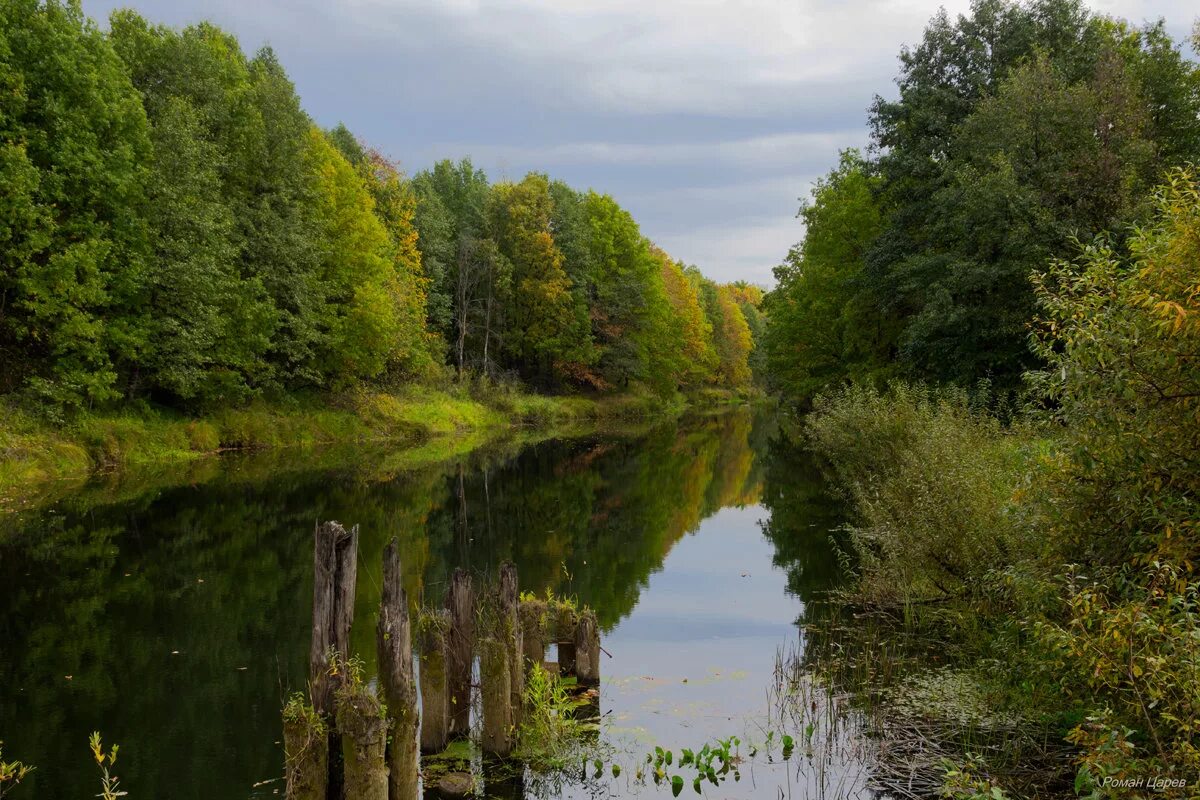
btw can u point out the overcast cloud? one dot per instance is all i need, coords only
(707, 120)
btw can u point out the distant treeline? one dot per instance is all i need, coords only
(175, 227)
(1021, 132)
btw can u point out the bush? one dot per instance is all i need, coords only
(931, 480)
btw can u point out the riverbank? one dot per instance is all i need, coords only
(436, 422)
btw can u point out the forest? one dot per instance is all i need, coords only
(980, 365)
(178, 232)
(990, 328)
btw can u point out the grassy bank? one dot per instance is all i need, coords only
(435, 422)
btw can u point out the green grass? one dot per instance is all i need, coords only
(427, 424)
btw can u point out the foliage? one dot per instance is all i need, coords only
(11, 773)
(1020, 129)
(931, 480)
(110, 786)
(178, 232)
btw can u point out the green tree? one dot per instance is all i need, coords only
(824, 327)
(547, 337)
(73, 145)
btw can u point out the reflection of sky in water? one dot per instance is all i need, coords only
(692, 663)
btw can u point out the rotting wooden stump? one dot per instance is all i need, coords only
(496, 689)
(565, 621)
(587, 649)
(363, 728)
(394, 646)
(306, 752)
(510, 626)
(532, 614)
(460, 646)
(335, 570)
(435, 696)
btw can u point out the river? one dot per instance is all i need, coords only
(173, 615)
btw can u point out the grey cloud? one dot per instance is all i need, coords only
(707, 119)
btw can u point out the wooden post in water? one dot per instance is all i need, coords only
(460, 646)
(565, 623)
(494, 665)
(361, 722)
(305, 751)
(435, 695)
(335, 569)
(510, 626)
(532, 614)
(394, 646)
(587, 649)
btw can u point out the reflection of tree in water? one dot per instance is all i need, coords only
(594, 519)
(105, 586)
(803, 516)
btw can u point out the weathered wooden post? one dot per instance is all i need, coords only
(532, 613)
(460, 647)
(510, 626)
(394, 646)
(305, 751)
(587, 649)
(494, 665)
(435, 696)
(565, 623)
(363, 727)
(335, 569)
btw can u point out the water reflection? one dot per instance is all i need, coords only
(175, 619)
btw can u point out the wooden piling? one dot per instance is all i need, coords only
(435, 695)
(532, 614)
(335, 569)
(306, 752)
(394, 645)
(509, 600)
(496, 688)
(363, 728)
(587, 649)
(460, 647)
(566, 621)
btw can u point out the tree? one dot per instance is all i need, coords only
(360, 321)
(692, 332)
(824, 326)
(545, 335)
(73, 145)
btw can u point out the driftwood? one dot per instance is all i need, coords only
(460, 647)
(394, 644)
(335, 569)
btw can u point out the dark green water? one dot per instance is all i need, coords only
(175, 620)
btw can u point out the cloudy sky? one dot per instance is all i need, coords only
(706, 119)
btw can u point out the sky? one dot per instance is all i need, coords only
(707, 120)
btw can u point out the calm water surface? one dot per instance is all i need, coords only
(176, 619)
